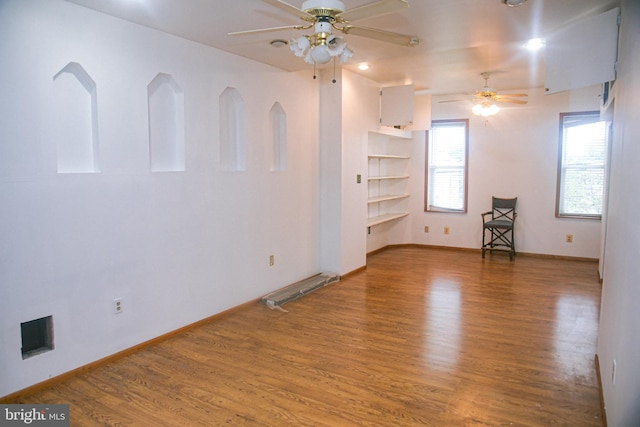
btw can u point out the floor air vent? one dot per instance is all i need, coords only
(299, 289)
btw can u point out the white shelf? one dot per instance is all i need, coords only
(378, 178)
(385, 218)
(378, 199)
(387, 156)
(396, 133)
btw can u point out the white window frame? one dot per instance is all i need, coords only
(564, 166)
(431, 197)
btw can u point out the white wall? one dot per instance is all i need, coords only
(619, 333)
(331, 165)
(361, 113)
(349, 109)
(176, 247)
(512, 154)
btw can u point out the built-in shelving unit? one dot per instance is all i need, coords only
(387, 180)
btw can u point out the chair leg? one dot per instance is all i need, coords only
(513, 242)
(484, 234)
(512, 253)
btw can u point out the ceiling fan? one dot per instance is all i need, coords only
(487, 97)
(327, 15)
(488, 94)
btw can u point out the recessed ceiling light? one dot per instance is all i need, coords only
(363, 67)
(513, 3)
(534, 44)
(278, 43)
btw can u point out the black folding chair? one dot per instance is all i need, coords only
(498, 230)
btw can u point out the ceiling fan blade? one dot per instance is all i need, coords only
(377, 8)
(451, 100)
(266, 30)
(512, 94)
(370, 10)
(511, 101)
(291, 9)
(385, 36)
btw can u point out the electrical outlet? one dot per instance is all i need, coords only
(358, 179)
(446, 230)
(426, 228)
(272, 260)
(117, 305)
(569, 238)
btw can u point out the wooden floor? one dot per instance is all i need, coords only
(422, 337)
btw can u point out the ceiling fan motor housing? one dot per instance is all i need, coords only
(323, 8)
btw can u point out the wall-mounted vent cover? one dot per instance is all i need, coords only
(37, 336)
(299, 289)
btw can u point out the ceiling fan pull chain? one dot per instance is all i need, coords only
(334, 70)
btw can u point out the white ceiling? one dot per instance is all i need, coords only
(459, 39)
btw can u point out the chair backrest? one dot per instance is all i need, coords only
(503, 208)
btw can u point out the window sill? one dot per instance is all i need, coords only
(445, 210)
(578, 216)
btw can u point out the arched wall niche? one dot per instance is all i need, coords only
(278, 121)
(166, 124)
(76, 120)
(232, 131)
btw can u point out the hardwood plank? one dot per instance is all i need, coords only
(422, 336)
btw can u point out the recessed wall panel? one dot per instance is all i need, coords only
(76, 120)
(166, 125)
(232, 130)
(278, 120)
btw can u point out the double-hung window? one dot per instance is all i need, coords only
(446, 166)
(581, 165)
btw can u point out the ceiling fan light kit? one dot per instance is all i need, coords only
(485, 109)
(321, 47)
